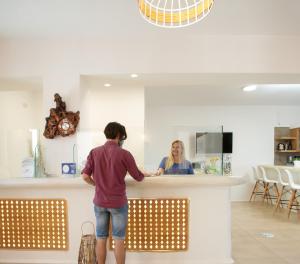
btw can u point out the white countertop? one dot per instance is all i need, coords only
(169, 181)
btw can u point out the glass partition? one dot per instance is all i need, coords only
(203, 147)
(21, 119)
(208, 158)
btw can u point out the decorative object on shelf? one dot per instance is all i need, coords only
(290, 159)
(213, 166)
(68, 169)
(280, 147)
(174, 13)
(227, 170)
(60, 121)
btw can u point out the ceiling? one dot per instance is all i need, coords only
(121, 18)
(205, 89)
(107, 18)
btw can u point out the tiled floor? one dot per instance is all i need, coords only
(253, 224)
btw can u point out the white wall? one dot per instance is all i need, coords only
(19, 112)
(147, 54)
(252, 127)
(101, 105)
(60, 62)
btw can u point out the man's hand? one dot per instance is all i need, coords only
(146, 173)
(88, 179)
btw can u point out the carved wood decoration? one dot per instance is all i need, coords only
(60, 122)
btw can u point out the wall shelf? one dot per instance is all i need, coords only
(288, 151)
(285, 138)
(290, 139)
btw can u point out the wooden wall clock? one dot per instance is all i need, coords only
(61, 122)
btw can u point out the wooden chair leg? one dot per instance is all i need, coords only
(291, 202)
(254, 191)
(276, 189)
(266, 191)
(268, 194)
(279, 199)
(276, 193)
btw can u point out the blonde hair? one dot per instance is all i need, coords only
(170, 159)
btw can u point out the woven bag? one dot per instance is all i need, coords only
(87, 250)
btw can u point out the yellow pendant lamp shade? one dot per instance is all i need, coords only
(174, 13)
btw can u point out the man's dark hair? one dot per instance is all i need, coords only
(113, 129)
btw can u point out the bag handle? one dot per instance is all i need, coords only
(87, 222)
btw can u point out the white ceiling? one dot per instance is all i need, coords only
(205, 89)
(106, 18)
(121, 18)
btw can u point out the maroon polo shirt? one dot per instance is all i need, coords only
(109, 165)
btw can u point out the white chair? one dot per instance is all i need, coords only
(285, 188)
(294, 189)
(270, 184)
(259, 184)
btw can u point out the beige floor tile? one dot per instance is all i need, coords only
(259, 260)
(292, 260)
(250, 221)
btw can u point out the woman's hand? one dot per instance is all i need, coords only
(159, 172)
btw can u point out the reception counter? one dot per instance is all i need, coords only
(173, 219)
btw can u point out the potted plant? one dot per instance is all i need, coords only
(297, 161)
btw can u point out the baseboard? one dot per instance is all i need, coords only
(47, 261)
(36, 261)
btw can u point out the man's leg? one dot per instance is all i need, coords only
(101, 250)
(102, 225)
(119, 224)
(120, 251)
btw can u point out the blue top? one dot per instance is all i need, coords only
(178, 168)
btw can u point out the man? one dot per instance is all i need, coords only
(106, 169)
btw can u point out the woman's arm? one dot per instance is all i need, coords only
(190, 169)
(160, 171)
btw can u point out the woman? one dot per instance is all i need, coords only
(176, 162)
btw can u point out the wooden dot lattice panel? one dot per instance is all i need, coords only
(157, 225)
(33, 224)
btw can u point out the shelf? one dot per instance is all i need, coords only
(285, 138)
(288, 151)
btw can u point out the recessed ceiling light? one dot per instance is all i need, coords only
(134, 75)
(107, 84)
(250, 88)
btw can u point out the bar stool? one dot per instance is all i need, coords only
(294, 189)
(259, 182)
(269, 184)
(285, 187)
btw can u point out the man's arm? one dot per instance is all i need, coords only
(88, 170)
(132, 167)
(88, 179)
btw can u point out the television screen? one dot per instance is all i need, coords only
(210, 143)
(227, 142)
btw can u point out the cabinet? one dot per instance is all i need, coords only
(286, 145)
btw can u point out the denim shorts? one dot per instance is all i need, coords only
(119, 218)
